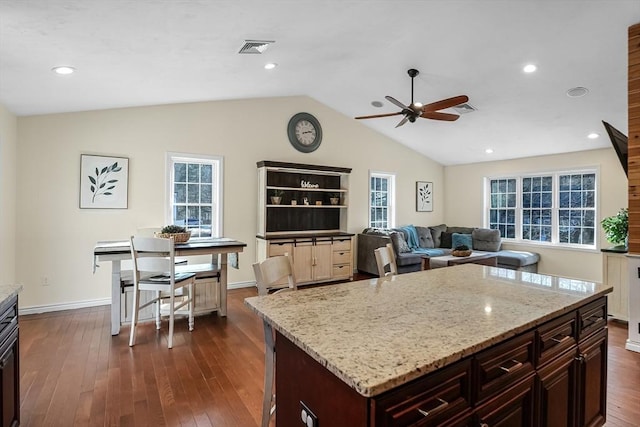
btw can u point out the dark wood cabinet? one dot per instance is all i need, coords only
(551, 376)
(9, 364)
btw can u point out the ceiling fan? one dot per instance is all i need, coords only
(415, 109)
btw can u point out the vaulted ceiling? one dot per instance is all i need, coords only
(344, 53)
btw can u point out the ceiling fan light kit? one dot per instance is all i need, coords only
(417, 109)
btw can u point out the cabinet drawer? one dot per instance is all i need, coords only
(428, 401)
(342, 271)
(503, 365)
(592, 317)
(555, 337)
(342, 245)
(341, 257)
(280, 248)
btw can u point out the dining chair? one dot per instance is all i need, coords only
(154, 270)
(267, 273)
(386, 259)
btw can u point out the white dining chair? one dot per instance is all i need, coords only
(154, 270)
(386, 261)
(267, 273)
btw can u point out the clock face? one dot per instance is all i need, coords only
(305, 133)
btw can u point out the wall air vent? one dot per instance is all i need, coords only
(255, 46)
(465, 108)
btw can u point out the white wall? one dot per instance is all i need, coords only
(8, 144)
(56, 238)
(464, 203)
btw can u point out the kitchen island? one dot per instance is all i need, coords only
(467, 345)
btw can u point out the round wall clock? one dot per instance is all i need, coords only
(305, 133)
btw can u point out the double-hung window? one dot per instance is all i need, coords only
(553, 208)
(195, 193)
(381, 200)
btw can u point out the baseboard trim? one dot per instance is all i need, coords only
(47, 308)
(633, 346)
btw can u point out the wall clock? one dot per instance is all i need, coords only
(305, 133)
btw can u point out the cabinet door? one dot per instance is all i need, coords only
(556, 392)
(303, 261)
(592, 381)
(10, 380)
(512, 408)
(322, 260)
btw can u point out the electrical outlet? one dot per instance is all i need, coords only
(307, 417)
(45, 281)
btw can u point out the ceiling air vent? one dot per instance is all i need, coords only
(255, 46)
(465, 108)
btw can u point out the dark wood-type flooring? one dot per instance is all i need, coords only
(74, 373)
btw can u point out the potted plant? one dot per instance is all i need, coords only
(334, 198)
(616, 227)
(276, 196)
(179, 233)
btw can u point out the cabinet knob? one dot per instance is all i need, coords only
(484, 425)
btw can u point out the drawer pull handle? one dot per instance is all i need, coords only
(513, 368)
(443, 404)
(595, 318)
(560, 340)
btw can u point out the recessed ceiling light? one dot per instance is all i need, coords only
(529, 68)
(63, 69)
(376, 104)
(577, 92)
(593, 135)
(270, 66)
(489, 150)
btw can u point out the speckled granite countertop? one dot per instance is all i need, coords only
(7, 291)
(378, 334)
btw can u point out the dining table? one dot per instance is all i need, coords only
(223, 251)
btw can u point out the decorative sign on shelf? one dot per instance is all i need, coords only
(307, 184)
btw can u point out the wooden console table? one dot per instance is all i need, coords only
(117, 251)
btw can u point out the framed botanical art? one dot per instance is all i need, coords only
(104, 182)
(424, 196)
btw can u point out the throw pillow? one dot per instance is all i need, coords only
(460, 230)
(445, 239)
(436, 232)
(399, 243)
(425, 239)
(458, 239)
(485, 239)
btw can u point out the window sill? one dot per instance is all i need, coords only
(550, 246)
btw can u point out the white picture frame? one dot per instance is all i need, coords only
(104, 182)
(424, 196)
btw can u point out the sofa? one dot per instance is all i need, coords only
(412, 243)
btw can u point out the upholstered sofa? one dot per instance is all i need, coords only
(412, 243)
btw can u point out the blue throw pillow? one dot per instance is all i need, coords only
(458, 239)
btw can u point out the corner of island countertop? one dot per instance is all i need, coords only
(9, 291)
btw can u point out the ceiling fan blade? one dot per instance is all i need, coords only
(403, 121)
(379, 115)
(436, 115)
(445, 103)
(396, 102)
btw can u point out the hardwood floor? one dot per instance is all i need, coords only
(74, 373)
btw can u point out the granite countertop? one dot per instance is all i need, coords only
(8, 291)
(378, 334)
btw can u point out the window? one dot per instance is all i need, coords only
(552, 208)
(381, 200)
(195, 193)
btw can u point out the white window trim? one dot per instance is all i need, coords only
(188, 157)
(391, 207)
(556, 194)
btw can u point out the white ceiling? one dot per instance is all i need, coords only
(343, 53)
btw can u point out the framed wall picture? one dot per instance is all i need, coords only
(104, 182)
(424, 196)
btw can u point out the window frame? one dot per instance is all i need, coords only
(391, 197)
(217, 200)
(555, 221)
